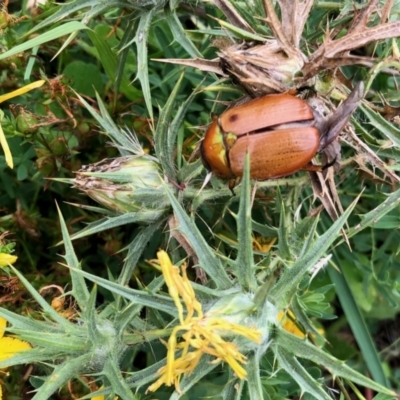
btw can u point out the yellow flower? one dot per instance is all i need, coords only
(9, 346)
(201, 333)
(288, 322)
(101, 397)
(7, 259)
(263, 244)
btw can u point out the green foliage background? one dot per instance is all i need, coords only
(52, 135)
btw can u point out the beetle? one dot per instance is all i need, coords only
(282, 133)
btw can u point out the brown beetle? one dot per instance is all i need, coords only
(282, 134)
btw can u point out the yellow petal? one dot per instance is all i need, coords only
(23, 90)
(289, 325)
(7, 259)
(101, 397)
(172, 280)
(3, 323)
(10, 346)
(6, 148)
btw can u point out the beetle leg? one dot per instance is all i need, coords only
(331, 128)
(319, 168)
(329, 164)
(231, 185)
(313, 168)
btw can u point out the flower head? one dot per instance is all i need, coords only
(125, 184)
(9, 346)
(7, 259)
(201, 332)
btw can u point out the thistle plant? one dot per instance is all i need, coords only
(234, 321)
(212, 304)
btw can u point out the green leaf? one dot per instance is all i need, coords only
(162, 133)
(208, 260)
(385, 127)
(241, 33)
(124, 50)
(108, 59)
(46, 307)
(61, 375)
(176, 124)
(254, 383)
(125, 141)
(244, 263)
(115, 378)
(358, 325)
(233, 389)
(85, 77)
(179, 33)
(52, 34)
(22, 323)
(141, 38)
(306, 382)
(79, 289)
(135, 251)
(156, 301)
(120, 220)
(283, 232)
(95, 8)
(288, 283)
(303, 349)
(372, 217)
